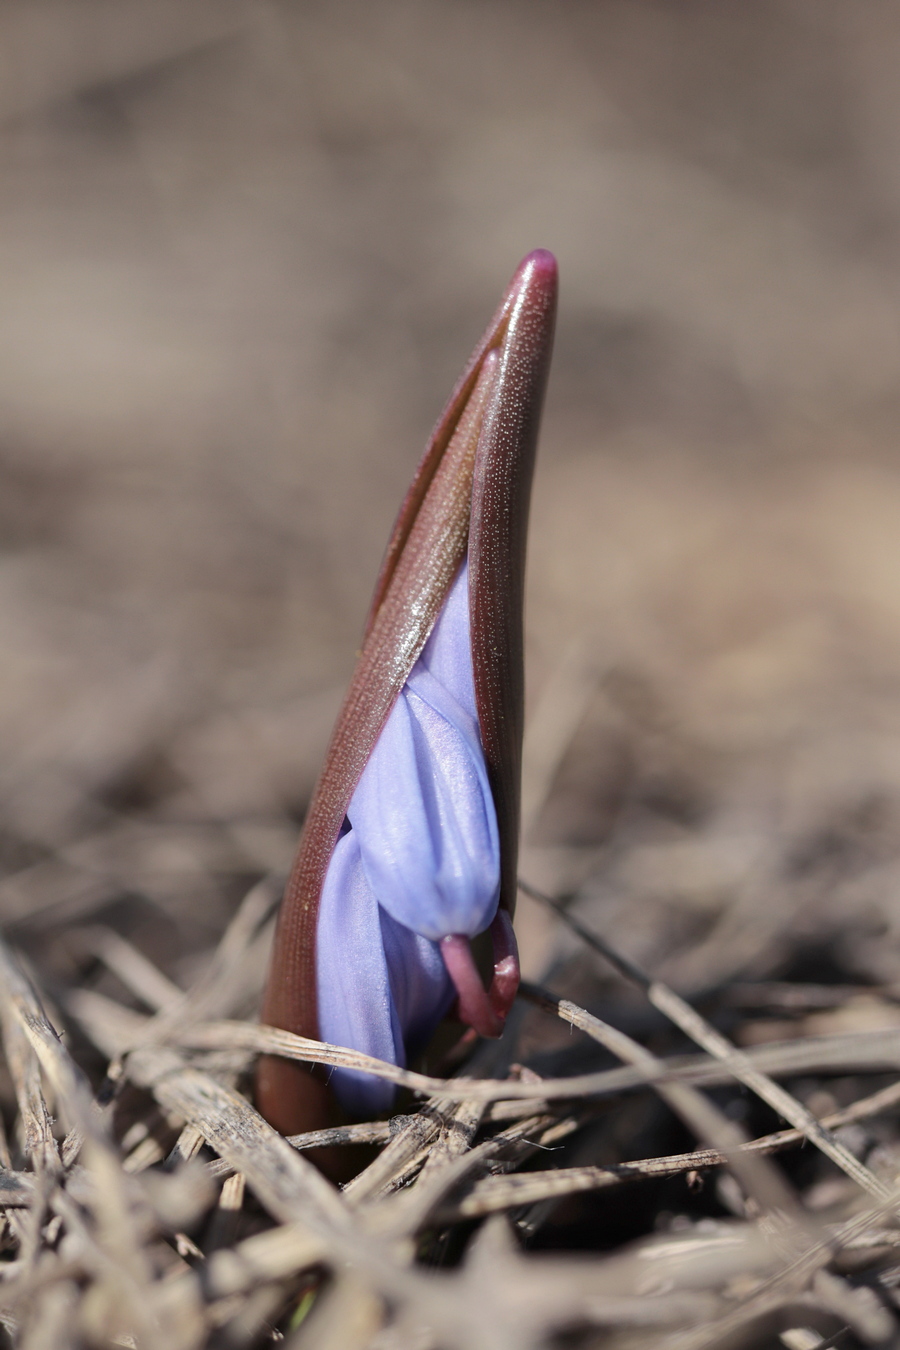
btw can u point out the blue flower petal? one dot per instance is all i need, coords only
(447, 654)
(380, 987)
(421, 988)
(354, 995)
(423, 809)
(419, 859)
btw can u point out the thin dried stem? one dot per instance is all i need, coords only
(688, 1020)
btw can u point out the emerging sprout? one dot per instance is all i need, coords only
(411, 839)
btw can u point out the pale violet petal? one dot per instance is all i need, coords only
(380, 987)
(447, 654)
(421, 988)
(419, 859)
(423, 810)
(354, 995)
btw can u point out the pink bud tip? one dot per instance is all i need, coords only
(484, 1010)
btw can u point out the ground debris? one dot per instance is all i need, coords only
(147, 1203)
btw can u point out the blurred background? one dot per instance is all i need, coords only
(245, 250)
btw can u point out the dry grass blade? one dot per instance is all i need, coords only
(16, 1189)
(109, 1025)
(123, 1276)
(708, 1038)
(138, 974)
(272, 1255)
(52, 1327)
(346, 1317)
(373, 1132)
(215, 991)
(806, 1266)
(405, 1214)
(759, 1180)
(695, 1026)
(411, 1137)
(287, 1185)
(225, 1223)
(874, 1050)
(34, 1117)
(499, 1193)
(456, 1136)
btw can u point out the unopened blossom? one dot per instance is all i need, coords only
(418, 861)
(410, 843)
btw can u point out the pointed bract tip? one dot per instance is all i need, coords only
(540, 258)
(538, 267)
